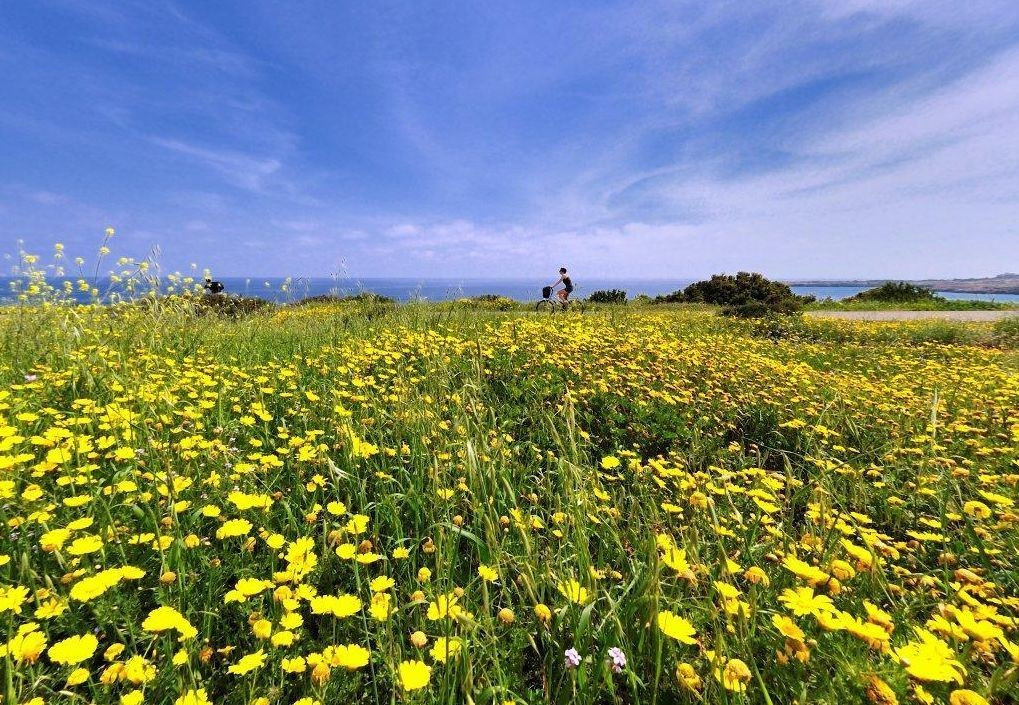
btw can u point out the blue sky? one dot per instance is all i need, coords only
(838, 138)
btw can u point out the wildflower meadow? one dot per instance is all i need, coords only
(342, 502)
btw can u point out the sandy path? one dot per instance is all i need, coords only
(914, 315)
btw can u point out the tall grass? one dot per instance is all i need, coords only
(607, 468)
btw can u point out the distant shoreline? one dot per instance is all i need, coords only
(1000, 284)
(279, 289)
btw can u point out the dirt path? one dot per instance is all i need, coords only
(914, 315)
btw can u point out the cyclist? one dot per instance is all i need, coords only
(564, 279)
(212, 286)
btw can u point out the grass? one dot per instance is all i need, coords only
(434, 503)
(935, 305)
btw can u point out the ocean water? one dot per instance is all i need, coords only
(435, 289)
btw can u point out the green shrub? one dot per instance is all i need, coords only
(228, 305)
(365, 297)
(898, 292)
(746, 295)
(610, 296)
(760, 309)
(483, 302)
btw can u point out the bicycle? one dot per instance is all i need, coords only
(548, 304)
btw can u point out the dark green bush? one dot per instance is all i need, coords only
(610, 296)
(760, 309)
(229, 306)
(899, 293)
(746, 295)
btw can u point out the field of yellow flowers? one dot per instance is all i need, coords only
(325, 505)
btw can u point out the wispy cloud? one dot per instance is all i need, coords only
(240, 169)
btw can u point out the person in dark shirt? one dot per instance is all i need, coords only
(564, 279)
(212, 286)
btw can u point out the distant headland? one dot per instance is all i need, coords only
(1007, 283)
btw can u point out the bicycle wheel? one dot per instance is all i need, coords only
(545, 306)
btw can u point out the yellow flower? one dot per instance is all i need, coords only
(291, 620)
(842, 570)
(51, 608)
(249, 587)
(381, 583)
(672, 625)
(96, 585)
(262, 629)
(12, 598)
(132, 697)
(487, 573)
(138, 670)
(351, 657)
(283, 638)
(802, 601)
(977, 629)
(248, 663)
(930, 659)
(756, 575)
(812, 574)
(977, 510)
(966, 697)
(380, 607)
(165, 618)
(787, 627)
(233, 528)
(687, 676)
(879, 692)
(84, 545)
(358, 524)
(293, 665)
(193, 697)
(26, 646)
(443, 606)
(77, 677)
(414, 675)
(445, 648)
(734, 675)
(74, 649)
(573, 591)
(542, 612)
(339, 606)
(249, 501)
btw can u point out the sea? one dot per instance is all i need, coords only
(438, 289)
